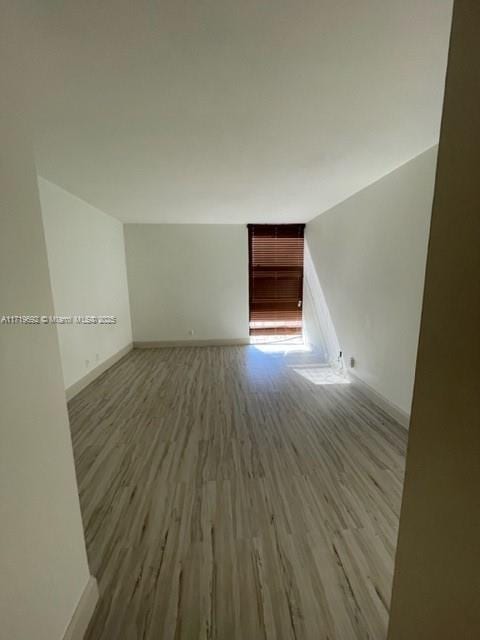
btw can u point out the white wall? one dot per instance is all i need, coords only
(318, 328)
(86, 256)
(43, 564)
(369, 253)
(188, 277)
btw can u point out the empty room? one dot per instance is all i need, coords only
(239, 315)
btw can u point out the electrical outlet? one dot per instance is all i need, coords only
(97, 357)
(352, 362)
(87, 363)
(190, 332)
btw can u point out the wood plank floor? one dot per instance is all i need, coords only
(227, 493)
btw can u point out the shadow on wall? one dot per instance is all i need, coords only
(319, 331)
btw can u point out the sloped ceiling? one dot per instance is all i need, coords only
(228, 111)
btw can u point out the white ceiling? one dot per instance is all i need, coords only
(233, 111)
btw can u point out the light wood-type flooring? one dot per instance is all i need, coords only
(229, 493)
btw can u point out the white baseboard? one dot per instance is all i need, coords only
(401, 416)
(77, 386)
(227, 342)
(84, 611)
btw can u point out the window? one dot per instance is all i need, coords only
(275, 278)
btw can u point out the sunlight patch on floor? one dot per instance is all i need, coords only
(281, 348)
(322, 375)
(279, 343)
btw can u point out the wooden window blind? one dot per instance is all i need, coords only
(275, 278)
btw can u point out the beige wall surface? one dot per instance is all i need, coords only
(43, 563)
(86, 257)
(436, 583)
(186, 278)
(369, 253)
